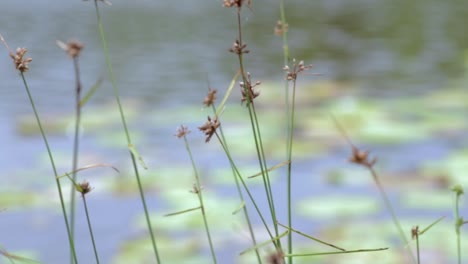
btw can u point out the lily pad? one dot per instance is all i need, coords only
(337, 206)
(427, 199)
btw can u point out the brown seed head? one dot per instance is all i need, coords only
(209, 128)
(296, 69)
(361, 157)
(414, 232)
(247, 90)
(84, 188)
(182, 131)
(235, 3)
(21, 63)
(275, 258)
(280, 29)
(195, 189)
(238, 48)
(210, 97)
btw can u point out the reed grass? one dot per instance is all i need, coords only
(126, 131)
(22, 65)
(213, 128)
(197, 189)
(459, 222)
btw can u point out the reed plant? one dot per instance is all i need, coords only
(212, 129)
(22, 65)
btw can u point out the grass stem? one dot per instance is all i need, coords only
(54, 168)
(75, 144)
(199, 191)
(127, 134)
(90, 228)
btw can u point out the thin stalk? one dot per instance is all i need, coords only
(57, 181)
(75, 145)
(239, 176)
(389, 206)
(257, 134)
(90, 229)
(239, 192)
(200, 198)
(289, 124)
(127, 134)
(336, 252)
(289, 158)
(458, 220)
(417, 248)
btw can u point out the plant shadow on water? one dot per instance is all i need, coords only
(417, 138)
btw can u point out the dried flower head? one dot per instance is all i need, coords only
(182, 131)
(104, 1)
(209, 128)
(235, 3)
(362, 157)
(210, 97)
(73, 47)
(280, 28)
(458, 189)
(195, 189)
(296, 69)
(247, 90)
(414, 232)
(83, 188)
(21, 63)
(275, 258)
(239, 48)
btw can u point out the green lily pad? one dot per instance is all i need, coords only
(427, 199)
(171, 251)
(336, 206)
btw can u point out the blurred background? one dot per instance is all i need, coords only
(393, 73)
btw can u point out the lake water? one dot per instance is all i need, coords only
(165, 55)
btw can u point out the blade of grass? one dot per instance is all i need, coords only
(336, 252)
(265, 243)
(91, 92)
(184, 211)
(312, 238)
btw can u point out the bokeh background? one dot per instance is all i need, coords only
(393, 72)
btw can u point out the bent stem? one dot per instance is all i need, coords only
(52, 162)
(127, 134)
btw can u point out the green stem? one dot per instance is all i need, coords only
(90, 229)
(57, 181)
(389, 206)
(200, 198)
(75, 146)
(127, 134)
(417, 248)
(257, 134)
(289, 124)
(239, 192)
(458, 224)
(239, 176)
